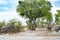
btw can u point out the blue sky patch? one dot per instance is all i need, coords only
(57, 3)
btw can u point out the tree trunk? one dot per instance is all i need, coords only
(32, 24)
(49, 26)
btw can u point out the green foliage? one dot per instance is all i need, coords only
(33, 8)
(57, 17)
(19, 25)
(28, 25)
(2, 24)
(49, 16)
(11, 22)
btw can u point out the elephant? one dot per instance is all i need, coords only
(9, 29)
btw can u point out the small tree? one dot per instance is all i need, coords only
(57, 17)
(49, 20)
(19, 25)
(11, 22)
(2, 24)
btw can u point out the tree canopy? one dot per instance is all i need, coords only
(33, 9)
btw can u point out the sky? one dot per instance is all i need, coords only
(8, 10)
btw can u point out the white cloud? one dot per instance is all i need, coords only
(54, 8)
(3, 2)
(11, 15)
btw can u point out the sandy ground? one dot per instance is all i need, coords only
(28, 35)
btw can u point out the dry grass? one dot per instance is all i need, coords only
(46, 33)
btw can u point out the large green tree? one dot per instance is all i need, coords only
(33, 9)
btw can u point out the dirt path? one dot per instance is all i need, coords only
(28, 35)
